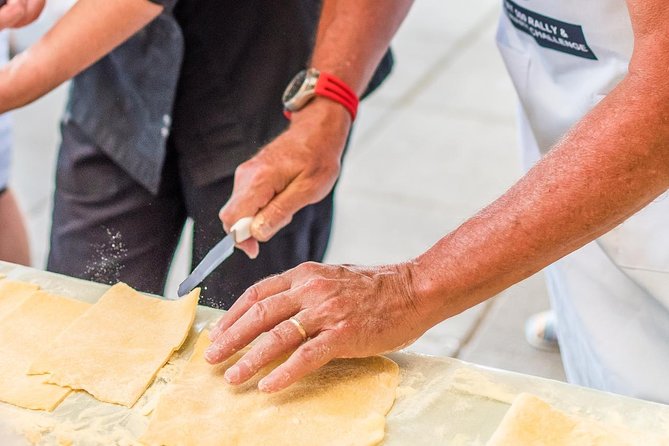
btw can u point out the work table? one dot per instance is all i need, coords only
(440, 400)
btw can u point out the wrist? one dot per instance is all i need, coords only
(327, 119)
(312, 83)
(422, 308)
(437, 289)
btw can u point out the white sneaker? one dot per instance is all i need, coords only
(540, 331)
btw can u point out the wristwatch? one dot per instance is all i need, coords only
(310, 83)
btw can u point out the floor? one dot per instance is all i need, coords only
(435, 144)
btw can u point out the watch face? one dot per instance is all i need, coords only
(294, 86)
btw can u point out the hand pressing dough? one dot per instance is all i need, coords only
(532, 422)
(24, 333)
(13, 294)
(114, 350)
(344, 403)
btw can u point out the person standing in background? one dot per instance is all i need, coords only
(13, 236)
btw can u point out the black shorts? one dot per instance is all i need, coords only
(107, 228)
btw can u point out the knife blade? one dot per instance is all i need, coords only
(239, 232)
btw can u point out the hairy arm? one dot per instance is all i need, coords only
(86, 33)
(354, 35)
(610, 165)
(301, 166)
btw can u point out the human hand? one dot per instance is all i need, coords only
(18, 13)
(346, 311)
(298, 168)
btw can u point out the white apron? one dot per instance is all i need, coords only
(611, 297)
(5, 127)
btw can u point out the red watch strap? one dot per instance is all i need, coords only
(330, 86)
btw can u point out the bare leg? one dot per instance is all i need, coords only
(13, 236)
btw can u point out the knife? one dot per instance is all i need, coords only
(239, 232)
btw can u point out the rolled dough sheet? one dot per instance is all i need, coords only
(344, 403)
(13, 293)
(114, 350)
(24, 334)
(532, 421)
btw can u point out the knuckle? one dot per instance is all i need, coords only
(307, 354)
(315, 353)
(244, 169)
(260, 310)
(346, 327)
(331, 306)
(278, 336)
(252, 294)
(318, 285)
(275, 211)
(245, 364)
(309, 266)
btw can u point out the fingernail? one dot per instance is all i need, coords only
(232, 374)
(252, 256)
(264, 386)
(210, 354)
(265, 232)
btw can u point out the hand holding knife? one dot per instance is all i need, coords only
(239, 232)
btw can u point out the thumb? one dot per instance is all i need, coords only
(250, 247)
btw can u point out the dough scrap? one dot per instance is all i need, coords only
(344, 403)
(13, 294)
(532, 421)
(24, 333)
(114, 350)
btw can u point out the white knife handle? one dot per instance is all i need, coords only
(242, 229)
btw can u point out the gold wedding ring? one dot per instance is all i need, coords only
(299, 327)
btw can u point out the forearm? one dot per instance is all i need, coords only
(89, 30)
(614, 162)
(305, 160)
(353, 36)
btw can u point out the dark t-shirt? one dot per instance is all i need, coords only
(202, 81)
(239, 57)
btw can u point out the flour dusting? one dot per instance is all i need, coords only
(107, 264)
